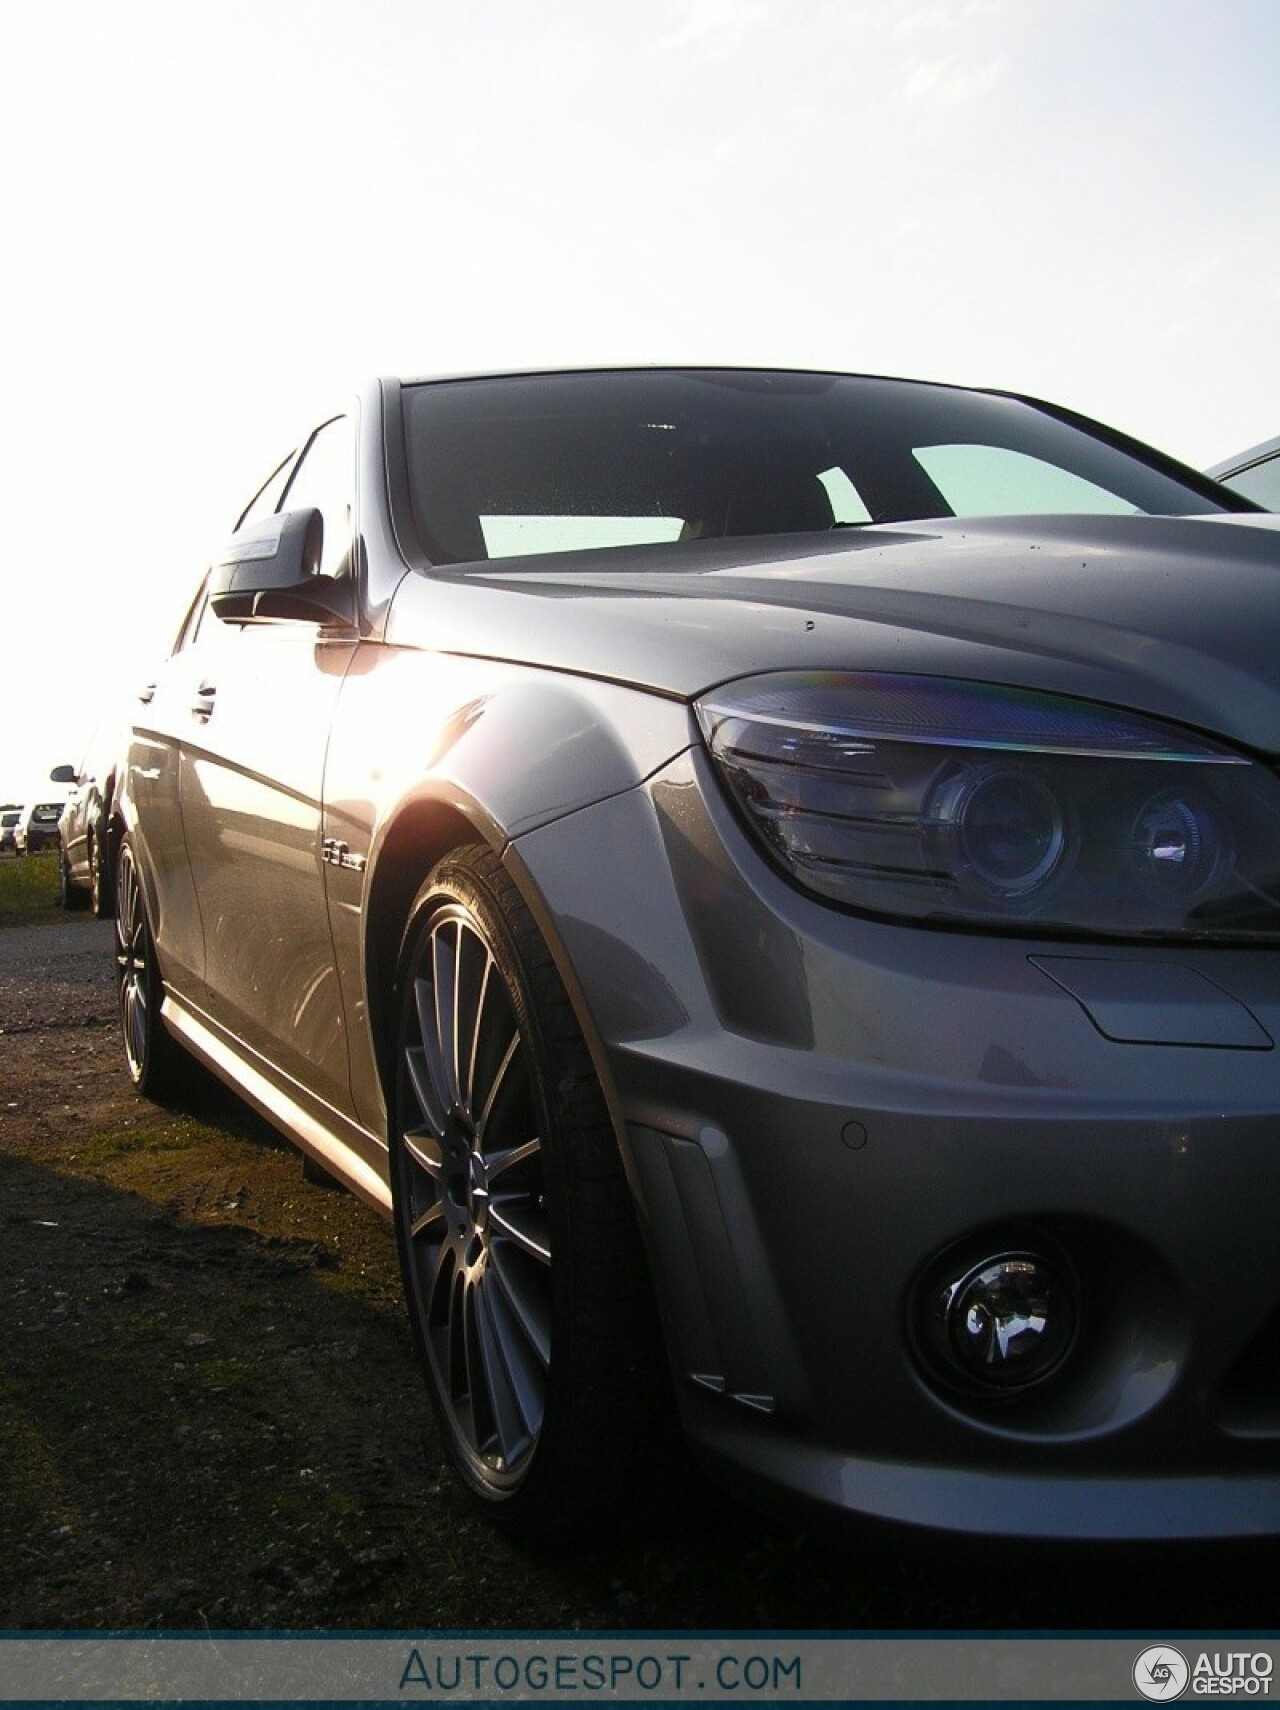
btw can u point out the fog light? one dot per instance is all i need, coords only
(1006, 1323)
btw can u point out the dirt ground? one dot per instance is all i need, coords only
(210, 1413)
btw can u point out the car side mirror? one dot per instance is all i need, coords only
(270, 569)
(63, 775)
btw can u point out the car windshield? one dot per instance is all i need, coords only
(501, 468)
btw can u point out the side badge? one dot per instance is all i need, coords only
(337, 854)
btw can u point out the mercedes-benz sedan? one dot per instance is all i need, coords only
(772, 882)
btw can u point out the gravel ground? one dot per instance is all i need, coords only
(53, 977)
(210, 1413)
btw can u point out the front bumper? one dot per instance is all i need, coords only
(817, 1109)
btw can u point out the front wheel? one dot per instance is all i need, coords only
(519, 1247)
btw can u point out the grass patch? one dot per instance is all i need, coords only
(29, 888)
(98, 1148)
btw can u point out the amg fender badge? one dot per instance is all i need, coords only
(337, 854)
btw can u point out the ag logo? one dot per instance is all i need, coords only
(1161, 1673)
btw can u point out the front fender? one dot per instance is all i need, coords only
(429, 751)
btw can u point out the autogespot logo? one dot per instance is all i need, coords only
(1161, 1673)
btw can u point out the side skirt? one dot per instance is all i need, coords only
(322, 1140)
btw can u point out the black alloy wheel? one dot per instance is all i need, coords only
(153, 1058)
(521, 1256)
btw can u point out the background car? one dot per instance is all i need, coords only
(768, 880)
(84, 878)
(9, 818)
(37, 828)
(1255, 473)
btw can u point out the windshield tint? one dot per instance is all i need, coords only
(502, 468)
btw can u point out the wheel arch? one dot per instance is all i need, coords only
(106, 829)
(114, 829)
(525, 881)
(422, 833)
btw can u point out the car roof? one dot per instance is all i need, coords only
(538, 371)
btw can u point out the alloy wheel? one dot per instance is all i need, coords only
(133, 971)
(473, 1195)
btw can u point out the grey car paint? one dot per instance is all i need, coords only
(811, 1105)
(1255, 473)
(1137, 611)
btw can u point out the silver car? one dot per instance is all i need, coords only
(771, 881)
(83, 878)
(1255, 473)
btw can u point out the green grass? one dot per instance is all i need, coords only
(99, 1148)
(29, 888)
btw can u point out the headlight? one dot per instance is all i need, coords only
(961, 802)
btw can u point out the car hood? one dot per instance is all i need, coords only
(1176, 616)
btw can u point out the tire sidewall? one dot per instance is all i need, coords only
(456, 884)
(143, 1072)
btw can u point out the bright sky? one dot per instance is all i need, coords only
(213, 216)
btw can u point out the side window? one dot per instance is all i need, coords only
(200, 625)
(265, 500)
(191, 623)
(326, 478)
(199, 622)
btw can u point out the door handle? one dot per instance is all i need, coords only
(147, 694)
(202, 706)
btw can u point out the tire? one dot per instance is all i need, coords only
(70, 896)
(523, 1270)
(156, 1063)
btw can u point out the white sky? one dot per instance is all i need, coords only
(214, 215)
